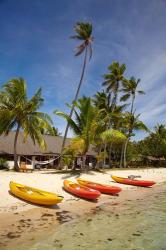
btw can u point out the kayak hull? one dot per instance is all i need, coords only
(106, 189)
(141, 183)
(34, 195)
(81, 191)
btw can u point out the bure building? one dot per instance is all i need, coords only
(31, 154)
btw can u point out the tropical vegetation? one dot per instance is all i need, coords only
(106, 121)
(20, 113)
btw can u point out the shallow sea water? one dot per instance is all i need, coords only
(139, 225)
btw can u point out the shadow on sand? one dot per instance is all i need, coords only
(70, 173)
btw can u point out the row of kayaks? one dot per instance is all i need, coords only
(83, 188)
(89, 190)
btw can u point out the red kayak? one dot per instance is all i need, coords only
(134, 182)
(81, 191)
(106, 189)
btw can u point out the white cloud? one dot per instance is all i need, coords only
(154, 113)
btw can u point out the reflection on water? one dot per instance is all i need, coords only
(141, 225)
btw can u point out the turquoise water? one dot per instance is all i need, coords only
(137, 225)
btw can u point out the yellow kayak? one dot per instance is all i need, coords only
(34, 195)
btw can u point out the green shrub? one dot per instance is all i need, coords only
(3, 163)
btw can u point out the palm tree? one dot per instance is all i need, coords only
(83, 34)
(85, 124)
(158, 139)
(102, 101)
(113, 79)
(17, 112)
(53, 132)
(112, 136)
(130, 90)
(154, 144)
(160, 131)
(131, 123)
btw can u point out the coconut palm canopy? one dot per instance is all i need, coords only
(85, 124)
(19, 112)
(130, 90)
(84, 34)
(114, 79)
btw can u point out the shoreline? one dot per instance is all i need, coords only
(28, 222)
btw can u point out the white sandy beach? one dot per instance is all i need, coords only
(52, 182)
(24, 222)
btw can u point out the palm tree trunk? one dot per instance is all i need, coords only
(121, 157)
(75, 99)
(83, 164)
(114, 101)
(16, 167)
(109, 157)
(130, 132)
(105, 150)
(97, 165)
(132, 105)
(124, 153)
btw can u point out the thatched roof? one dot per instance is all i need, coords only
(53, 143)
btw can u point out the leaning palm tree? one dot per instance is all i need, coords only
(130, 90)
(84, 125)
(113, 80)
(83, 34)
(17, 112)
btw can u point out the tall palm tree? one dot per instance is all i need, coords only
(84, 125)
(130, 90)
(102, 100)
(113, 80)
(83, 34)
(17, 112)
(131, 123)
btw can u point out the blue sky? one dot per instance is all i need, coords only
(35, 44)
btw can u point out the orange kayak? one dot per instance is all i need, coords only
(106, 189)
(134, 182)
(81, 191)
